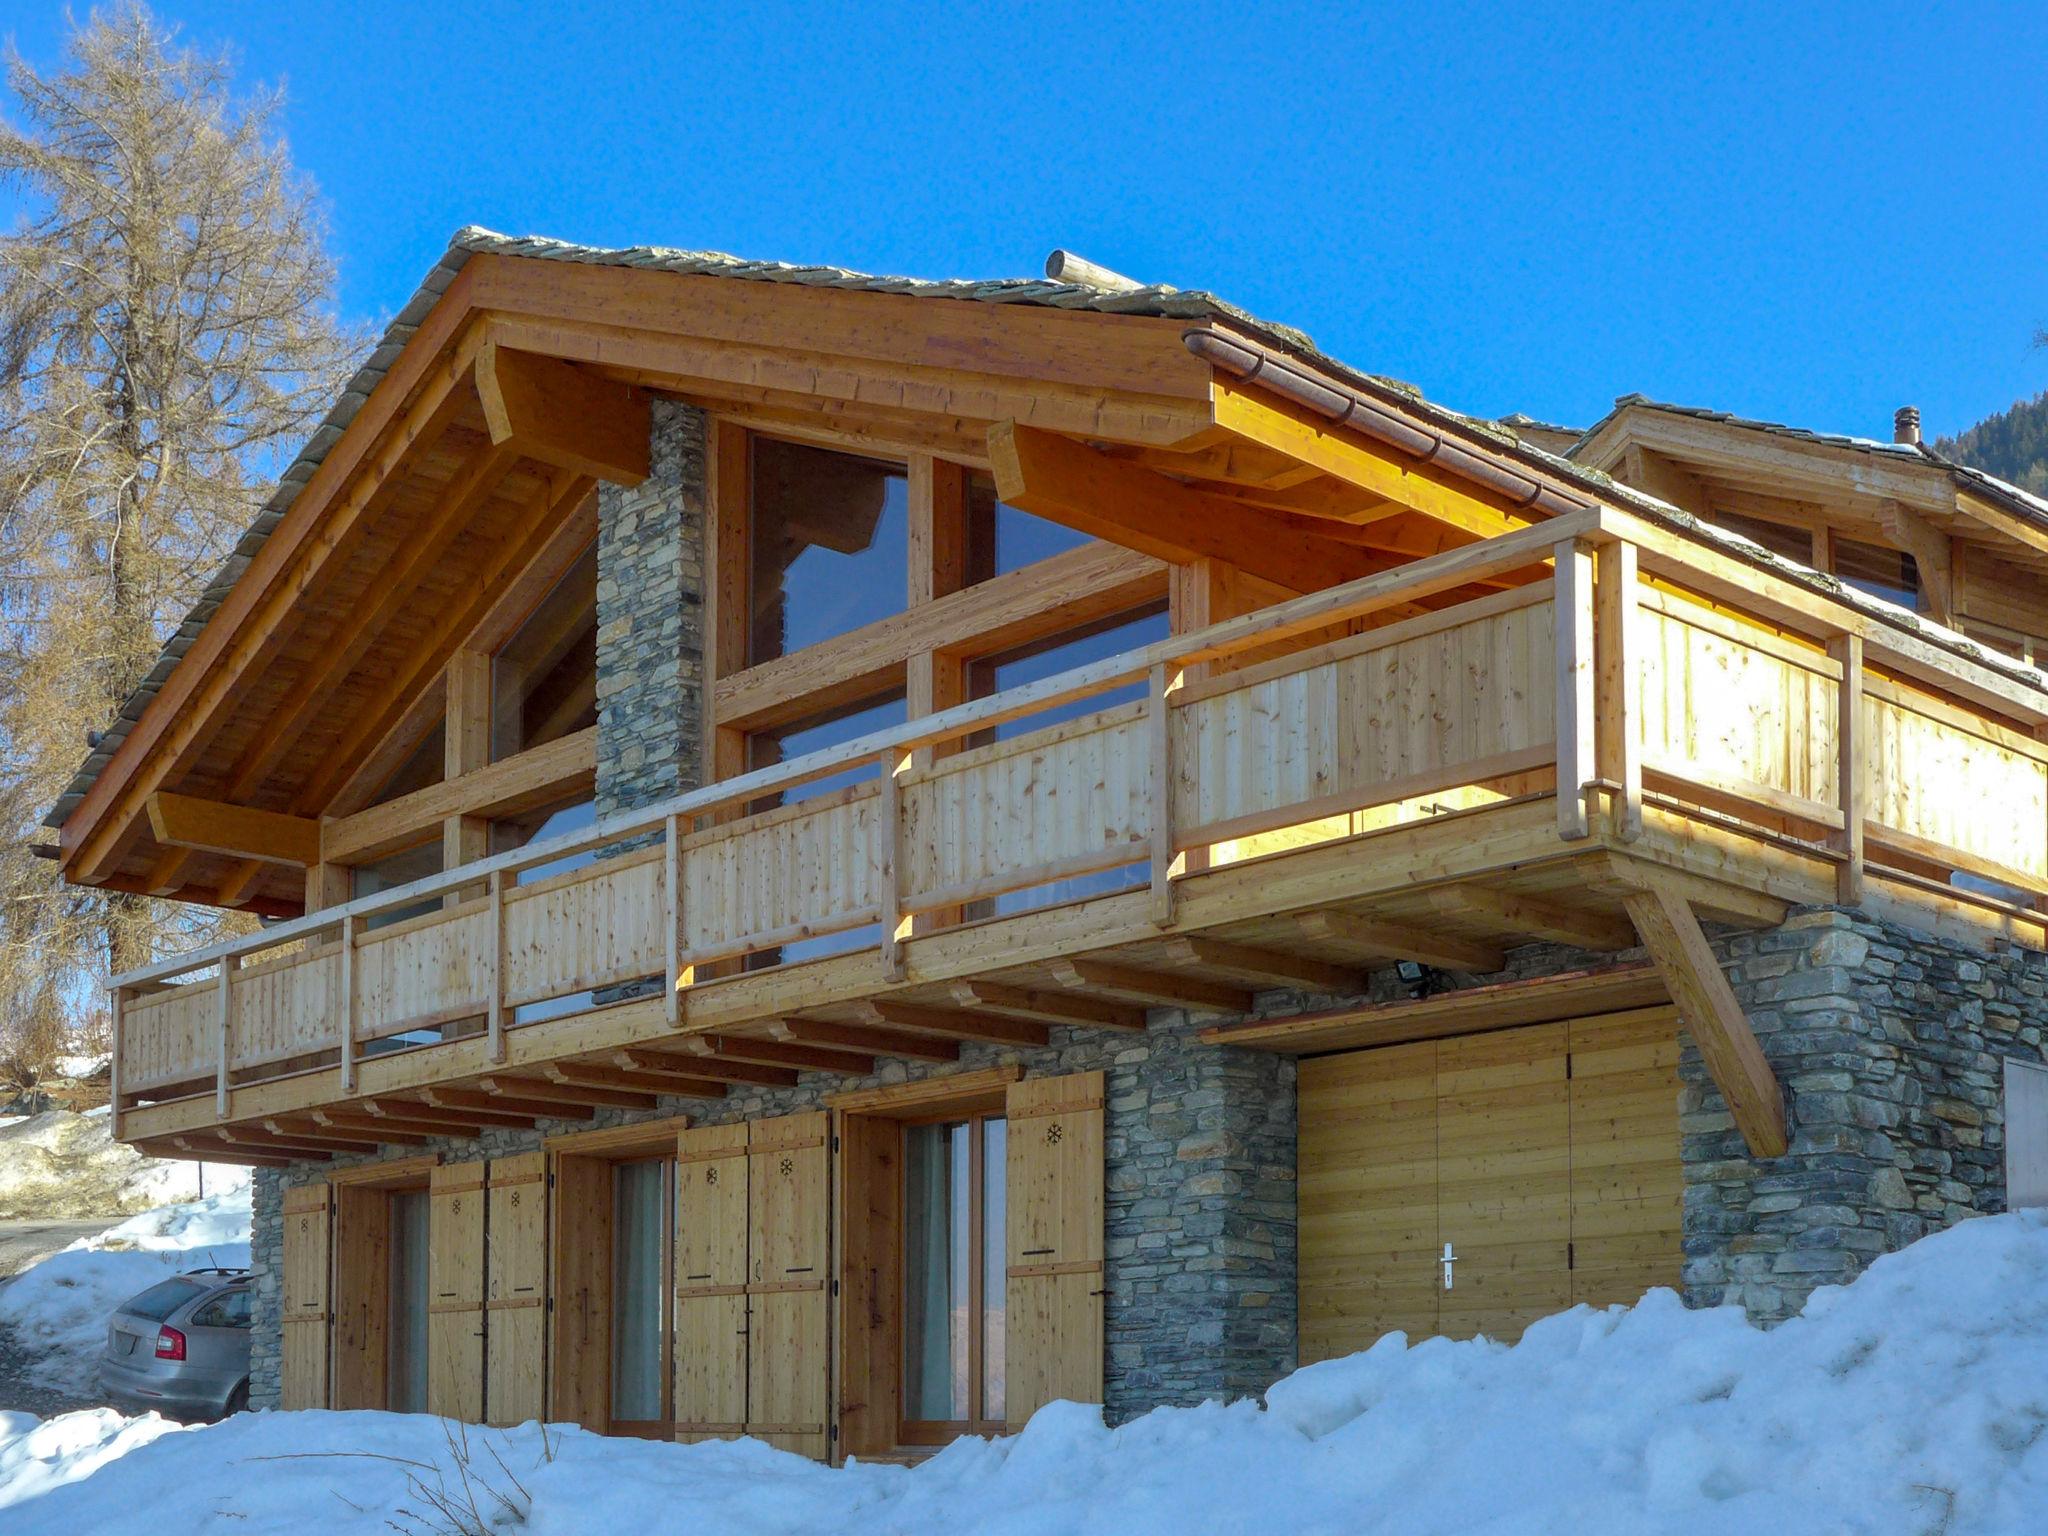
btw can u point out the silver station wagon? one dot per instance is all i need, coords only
(181, 1348)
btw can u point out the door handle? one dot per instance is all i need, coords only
(1450, 1259)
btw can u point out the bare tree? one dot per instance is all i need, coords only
(167, 338)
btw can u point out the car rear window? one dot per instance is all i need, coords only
(161, 1300)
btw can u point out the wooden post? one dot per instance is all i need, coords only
(348, 1005)
(227, 1018)
(1161, 710)
(1618, 707)
(889, 870)
(118, 1007)
(672, 916)
(1573, 620)
(495, 1018)
(466, 748)
(1847, 650)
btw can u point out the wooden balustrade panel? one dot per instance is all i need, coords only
(424, 971)
(1003, 817)
(287, 1007)
(1933, 773)
(809, 866)
(588, 928)
(1402, 712)
(1731, 708)
(170, 1036)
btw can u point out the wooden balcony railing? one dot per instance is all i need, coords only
(1745, 698)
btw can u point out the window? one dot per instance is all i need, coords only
(1779, 538)
(544, 679)
(229, 1311)
(830, 545)
(392, 871)
(1062, 653)
(406, 1335)
(2026, 1134)
(537, 826)
(955, 1269)
(1886, 573)
(643, 1196)
(1002, 538)
(162, 1299)
(801, 738)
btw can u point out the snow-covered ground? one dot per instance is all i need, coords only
(59, 1164)
(58, 1309)
(1914, 1401)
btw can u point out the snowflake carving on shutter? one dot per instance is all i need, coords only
(711, 1175)
(1052, 1133)
(788, 1166)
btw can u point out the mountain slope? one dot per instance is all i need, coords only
(2012, 445)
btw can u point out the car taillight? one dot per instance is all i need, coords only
(170, 1344)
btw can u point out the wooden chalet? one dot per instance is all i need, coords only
(843, 857)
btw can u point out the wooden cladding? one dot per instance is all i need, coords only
(304, 1300)
(1055, 1198)
(1546, 1158)
(455, 1292)
(515, 1289)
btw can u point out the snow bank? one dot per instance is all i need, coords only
(58, 1164)
(58, 1309)
(1914, 1401)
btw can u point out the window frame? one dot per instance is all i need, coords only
(662, 1427)
(937, 1432)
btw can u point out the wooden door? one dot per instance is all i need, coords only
(304, 1288)
(1366, 1155)
(1504, 1179)
(868, 1321)
(580, 1294)
(789, 1357)
(515, 1286)
(362, 1296)
(711, 1283)
(1054, 1191)
(455, 1292)
(1628, 1185)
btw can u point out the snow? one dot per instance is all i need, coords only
(58, 1309)
(1915, 1400)
(59, 1164)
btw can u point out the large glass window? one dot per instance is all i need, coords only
(544, 679)
(1062, 653)
(1886, 573)
(643, 1195)
(1779, 538)
(830, 545)
(392, 871)
(1003, 538)
(406, 1376)
(767, 748)
(954, 1277)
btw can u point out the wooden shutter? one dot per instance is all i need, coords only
(515, 1283)
(581, 1297)
(362, 1296)
(867, 1322)
(789, 1366)
(1054, 1304)
(711, 1282)
(304, 1297)
(1627, 1180)
(455, 1292)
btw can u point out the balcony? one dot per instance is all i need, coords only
(1296, 796)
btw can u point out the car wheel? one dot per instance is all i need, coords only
(238, 1401)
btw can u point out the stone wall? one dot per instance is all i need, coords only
(1199, 1215)
(266, 1265)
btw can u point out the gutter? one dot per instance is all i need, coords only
(1343, 405)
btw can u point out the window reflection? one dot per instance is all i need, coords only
(830, 545)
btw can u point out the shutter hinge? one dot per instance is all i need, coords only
(835, 1143)
(551, 1178)
(835, 1287)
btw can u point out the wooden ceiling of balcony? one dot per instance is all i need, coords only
(417, 527)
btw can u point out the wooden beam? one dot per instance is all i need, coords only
(519, 783)
(1268, 967)
(1152, 988)
(464, 1100)
(1058, 478)
(548, 1091)
(366, 1141)
(1533, 917)
(1933, 554)
(1617, 683)
(239, 885)
(598, 1076)
(854, 1037)
(689, 1064)
(923, 1019)
(1287, 428)
(564, 415)
(1572, 624)
(1708, 1006)
(1047, 1007)
(389, 1130)
(1401, 941)
(405, 1110)
(777, 1053)
(305, 1125)
(213, 826)
(191, 1147)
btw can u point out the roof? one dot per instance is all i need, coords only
(2022, 502)
(1155, 301)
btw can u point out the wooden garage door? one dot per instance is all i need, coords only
(1546, 1157)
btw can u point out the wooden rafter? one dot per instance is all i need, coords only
(563, 414)
(1047, 1007)
(1400, 941)
(1265, 967)
(1533, 917)
(948, 1023)
(596, 1075)
(712, 1068)
(1153, 988)
(213, 826)
(856, 1037)
(547, 1091)
(776, 1053)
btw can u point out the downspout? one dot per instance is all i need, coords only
(1345, 406)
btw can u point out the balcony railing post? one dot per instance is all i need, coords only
(1573, 620)
(1161, 707)
(1618, 708)
(119, 1006)
(227, 1019)
(494, 1021)
(1847, 650)
(347, 1010)
(672, 916)
(889, 870)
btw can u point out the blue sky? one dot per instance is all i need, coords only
(1813, 214)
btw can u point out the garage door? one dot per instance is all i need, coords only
(1545, 1158)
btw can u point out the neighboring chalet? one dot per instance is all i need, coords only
(845, 857)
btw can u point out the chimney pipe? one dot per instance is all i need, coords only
(1906, 425)
(1066, 267)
